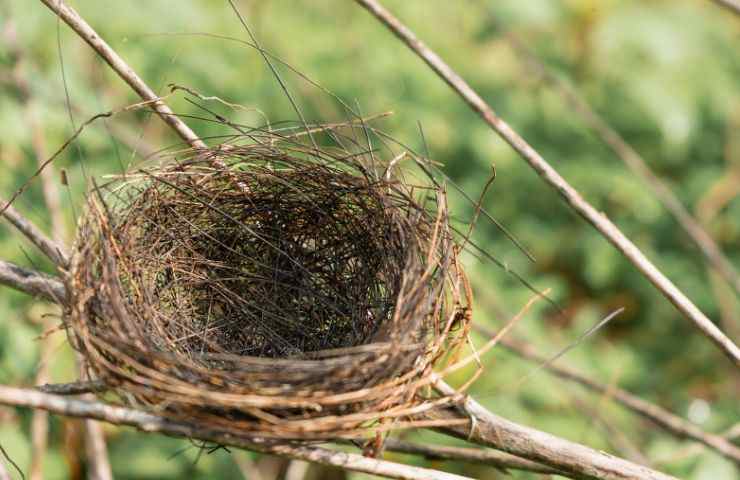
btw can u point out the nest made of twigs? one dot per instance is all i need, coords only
(287, 293)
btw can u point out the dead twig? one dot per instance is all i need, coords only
(73, 388)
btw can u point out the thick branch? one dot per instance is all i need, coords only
(663, 418)
(86, 32)
(151, 423)
(597, 219)
(50, 248)
(576, 460)
(32, 283)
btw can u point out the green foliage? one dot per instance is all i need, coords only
(665, 74)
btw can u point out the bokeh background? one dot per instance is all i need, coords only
(664, 73)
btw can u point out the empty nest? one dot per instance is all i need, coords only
(272, 290)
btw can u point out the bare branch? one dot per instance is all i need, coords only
(572, 458)
(152, 423)
(491, 458)
(597, 219)
(74, 388)
(86, 32)
(731, 5)
(670, 422)
(634, 161)
(32, 283)
(55, 252)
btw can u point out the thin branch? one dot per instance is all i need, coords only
(74, 388)
(146, 422)
(127, 74)
(731, 5)
(31, 282)
(492, 458)
(670, 422)
(55, 252)
(597, 219)
(572, 458)
(634, 161)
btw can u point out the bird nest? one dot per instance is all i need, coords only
(272, 290)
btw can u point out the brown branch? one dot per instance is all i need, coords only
(146, 422)
(572, 458)
(597, 219)
(731, 5)
(491, 458)
(55, 252)
(74, 388)
(31, 282)
(668, 421)
(127, 74)
(634, 161)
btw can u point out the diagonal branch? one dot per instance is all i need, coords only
(55, 252)
(575, 459)
(597, 219)
(491, 458)
(668, 421)
(152, 423)
(32, 283)
(634, 161)
(127, 74)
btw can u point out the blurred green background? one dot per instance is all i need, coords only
(663, 73)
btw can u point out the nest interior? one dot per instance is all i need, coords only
(293, 293)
